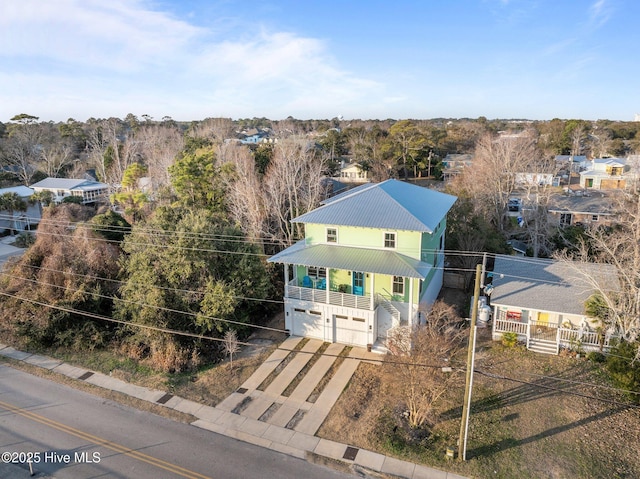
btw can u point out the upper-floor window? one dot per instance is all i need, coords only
(398, 285)
(316, 272)
(332, 235)
(389, 240)
(594, 217)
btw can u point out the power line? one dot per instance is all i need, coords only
(164, 288)
(112, 320)
(161, 308)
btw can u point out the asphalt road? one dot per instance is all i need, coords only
(69, 434)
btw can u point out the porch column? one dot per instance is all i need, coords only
(328, 273)
(410, 318)
(286, 280)
(372, 305)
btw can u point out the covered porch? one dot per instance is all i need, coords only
(549, 332)
(349, 295)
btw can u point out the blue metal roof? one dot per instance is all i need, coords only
(353, 259)
(391, 204)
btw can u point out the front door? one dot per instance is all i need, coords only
(358, 283)
(543, 319)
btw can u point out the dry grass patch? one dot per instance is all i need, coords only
(518, 430)
(354, 418)
(214, 384)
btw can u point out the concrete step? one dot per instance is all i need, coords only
(542, 346)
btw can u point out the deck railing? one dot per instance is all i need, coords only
(506, 326)
(566, 337)
(335, 298)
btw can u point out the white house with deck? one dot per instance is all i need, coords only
(90, 191)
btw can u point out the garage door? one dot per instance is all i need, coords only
(350, 330)
(308, 324)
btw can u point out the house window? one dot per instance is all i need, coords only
(389, 240)
(332, 235)
(565, 219)
(398, 285)
(594, 217)
(317, 272)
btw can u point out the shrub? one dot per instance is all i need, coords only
(24, 240)
(624, 371)
(510, 340)
(596, 357)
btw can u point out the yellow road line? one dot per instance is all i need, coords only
(167, 466)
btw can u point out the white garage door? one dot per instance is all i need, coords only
(308, 324)
(351, 331)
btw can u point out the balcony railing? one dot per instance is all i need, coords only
(335, 298)
(588, 340)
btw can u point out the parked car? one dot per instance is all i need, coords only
(514, 204)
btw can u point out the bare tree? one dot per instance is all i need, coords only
(56, 152)
(21, 151)
(230, 344)
(492, 179)
(417, 362)
(215, 129)
(578, 137)
(538, 190)
(292, 186)
(246, 199)
(159, 146)
(609, 261)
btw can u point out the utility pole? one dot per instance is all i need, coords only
(464, 425)
(484, 268)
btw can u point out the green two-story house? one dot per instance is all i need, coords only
(370, 258)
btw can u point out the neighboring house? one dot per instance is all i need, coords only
(543, 302)
(352, 173)
(89, 191)
(594, 209)
(371, 256)
(20, 220)
(540, 179)
(606, 173)
(571, 163)
(453, 164)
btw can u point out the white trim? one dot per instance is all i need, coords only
(326, 235)
(395, 239)
(393, 283)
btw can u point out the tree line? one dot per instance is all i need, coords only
(198, 212)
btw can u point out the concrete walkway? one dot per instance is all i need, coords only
(245, 424)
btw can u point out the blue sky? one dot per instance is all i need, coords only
(192, 59)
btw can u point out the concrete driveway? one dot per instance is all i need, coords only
(7, 251)
(302, 410)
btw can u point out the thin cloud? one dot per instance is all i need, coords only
(599, 13)
(75, 45)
